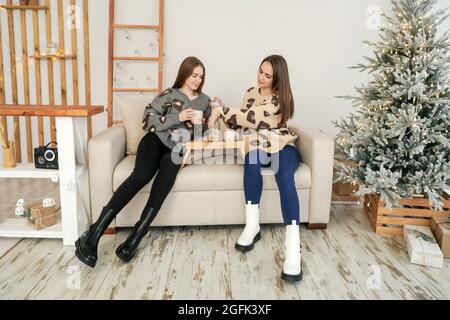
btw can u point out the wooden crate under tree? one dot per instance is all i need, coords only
(344, 191)
(415, 211)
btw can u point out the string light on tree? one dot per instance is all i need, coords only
(402, 109)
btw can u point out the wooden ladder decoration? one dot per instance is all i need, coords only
(51, 59)
(112, 58)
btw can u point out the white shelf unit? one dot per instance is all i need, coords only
(18, 227)
(72, 178)
(27, 170)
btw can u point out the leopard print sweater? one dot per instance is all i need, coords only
(258, 122)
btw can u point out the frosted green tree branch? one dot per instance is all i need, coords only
(398, 137)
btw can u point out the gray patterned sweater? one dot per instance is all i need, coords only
(162, 114)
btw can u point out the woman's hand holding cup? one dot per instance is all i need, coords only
(187, 115)
(198, 118)
(217, 102)
(212, 119)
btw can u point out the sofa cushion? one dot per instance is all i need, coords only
(209, 208)
(203, 177)
(131, 109)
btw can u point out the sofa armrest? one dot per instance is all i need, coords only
(106, 150)
(317, 151)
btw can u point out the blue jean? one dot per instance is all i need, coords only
(284, 164)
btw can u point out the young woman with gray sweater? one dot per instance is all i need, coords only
(174, 109)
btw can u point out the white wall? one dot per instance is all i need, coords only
(319, 38)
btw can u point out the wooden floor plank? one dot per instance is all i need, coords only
(326, 268)
(257, 273)
(310, 288)
(358, 248)
(69, 279)
(144, 277)
(435, 281)
(7, 244)
(27, 264)
(200, 265)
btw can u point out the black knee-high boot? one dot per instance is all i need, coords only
(127, 250)
(86, 245)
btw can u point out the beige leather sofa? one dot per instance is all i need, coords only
(209, 194)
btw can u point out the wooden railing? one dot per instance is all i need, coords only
(30, 64)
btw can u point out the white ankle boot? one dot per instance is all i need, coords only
(251, 233)
(292, 269)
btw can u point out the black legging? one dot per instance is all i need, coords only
(151, 155)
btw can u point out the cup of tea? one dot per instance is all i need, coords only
(198, 117)
(215, 103)
(230, 135)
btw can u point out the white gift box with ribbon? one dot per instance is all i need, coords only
(422, 246)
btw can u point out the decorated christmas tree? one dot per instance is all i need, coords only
(397, 142)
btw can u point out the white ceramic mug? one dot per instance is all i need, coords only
(230, 135)
(215, 104)
(198, 117)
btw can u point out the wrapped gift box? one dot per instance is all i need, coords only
(422, 246)
(441, 230)
(41, 217)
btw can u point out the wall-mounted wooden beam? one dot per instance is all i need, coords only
(135, 26)
(161, 45)
(3, 120)
(37, 72)
(22, 8)
(136, 58)
(62, 48)
(50, 111)
(76, 99)
(53, 57)
(87, 63)
(152, 90)
(12, 54)
(26, 83)
(51, 86)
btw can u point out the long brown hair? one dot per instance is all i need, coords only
(281, 86)
(186, 69)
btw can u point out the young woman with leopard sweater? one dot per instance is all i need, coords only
(262, 121)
